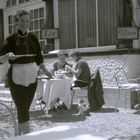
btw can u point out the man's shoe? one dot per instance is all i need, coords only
(43, 102)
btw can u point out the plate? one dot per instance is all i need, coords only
(63, 72)
(43, 77)
(54, 52)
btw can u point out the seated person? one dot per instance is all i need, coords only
(60, 66)
(61, 63)
(81, 70)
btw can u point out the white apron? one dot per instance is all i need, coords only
(24, 74)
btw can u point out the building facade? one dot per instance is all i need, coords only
(37, 9)
(82, 24)
(90, 23)
(1, 22)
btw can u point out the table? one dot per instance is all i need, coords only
(54, 89)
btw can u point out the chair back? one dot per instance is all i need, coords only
(120, 76)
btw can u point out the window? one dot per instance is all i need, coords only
(12, 26)
(89, 23)
(14, 2)
(37, 23)
(10, 3)
(22, 1)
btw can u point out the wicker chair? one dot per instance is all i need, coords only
(125, 85)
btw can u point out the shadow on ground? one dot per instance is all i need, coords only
(69, 115)
(137, 112)
(133, 137)
(107, 110)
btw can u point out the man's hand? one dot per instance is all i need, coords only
(46, 71)
(10, 56)
(6, 57)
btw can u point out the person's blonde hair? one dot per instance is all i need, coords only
(61, 53)
(20, 13)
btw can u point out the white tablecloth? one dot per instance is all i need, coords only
(39, 92)
(56, 88)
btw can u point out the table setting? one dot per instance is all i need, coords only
(61, 74)
(59, 86)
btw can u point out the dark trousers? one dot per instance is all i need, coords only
(79, 83)
(23, 97)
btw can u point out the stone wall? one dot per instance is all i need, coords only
(1, 28)
(107, 65)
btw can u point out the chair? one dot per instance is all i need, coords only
(124, 85)
(93, 93)
(79, 92)
(5, 97)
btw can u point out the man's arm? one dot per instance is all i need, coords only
(46, 71)
(76, 72)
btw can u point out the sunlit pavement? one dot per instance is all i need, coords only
(64, 132)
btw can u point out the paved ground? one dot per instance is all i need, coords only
(121, 125)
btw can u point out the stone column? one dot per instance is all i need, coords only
(56, 23)
(49, 23)
(136, 20)
(133, 65)
(125, 19)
